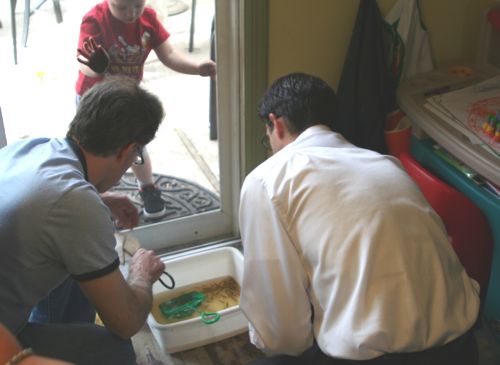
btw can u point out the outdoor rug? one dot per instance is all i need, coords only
(182, 197)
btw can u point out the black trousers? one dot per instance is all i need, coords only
(462, 350)
(78, 343)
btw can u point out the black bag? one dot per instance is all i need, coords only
(367, 88)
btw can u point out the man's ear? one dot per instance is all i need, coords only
(125, 152)
(278, 124)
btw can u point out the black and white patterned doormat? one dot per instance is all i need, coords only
(182, 197)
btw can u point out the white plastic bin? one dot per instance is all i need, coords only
(193, 269)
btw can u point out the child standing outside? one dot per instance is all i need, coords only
(116, 37)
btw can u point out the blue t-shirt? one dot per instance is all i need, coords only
(53, 223)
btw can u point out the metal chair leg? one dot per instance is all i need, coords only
(28, 12)
(26, 20)
(26, 23)
(191, 30)
(57, 9)
(13, 4)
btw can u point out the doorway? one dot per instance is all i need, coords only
(37, 95)
(37, 99)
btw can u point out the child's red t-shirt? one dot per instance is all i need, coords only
(128, 45)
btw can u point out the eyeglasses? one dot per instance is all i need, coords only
(264, 141)
(139, 158)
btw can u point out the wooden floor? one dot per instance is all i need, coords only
(236, 350)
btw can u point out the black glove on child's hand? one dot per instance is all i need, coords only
(93, 55)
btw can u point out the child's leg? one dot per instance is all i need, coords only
(154, 206)
(144, 173)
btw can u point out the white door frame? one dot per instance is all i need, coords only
(220, 224)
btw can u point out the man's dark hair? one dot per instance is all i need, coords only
(303, 100)
(113, 114)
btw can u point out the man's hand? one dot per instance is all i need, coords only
(93, 55)
(123, 210)
(207, 68)
(145, 268)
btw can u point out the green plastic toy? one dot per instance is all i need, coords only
(185, 305)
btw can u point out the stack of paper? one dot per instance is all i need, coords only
(468, 109)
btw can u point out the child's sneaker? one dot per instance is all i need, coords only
(154, 206)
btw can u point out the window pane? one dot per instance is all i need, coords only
(43, 104)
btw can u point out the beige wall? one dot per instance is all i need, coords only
(313, 35)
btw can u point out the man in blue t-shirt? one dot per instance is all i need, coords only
(57, 229)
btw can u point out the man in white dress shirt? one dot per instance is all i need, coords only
(344, 258)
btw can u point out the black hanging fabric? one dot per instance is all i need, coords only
(367, 88)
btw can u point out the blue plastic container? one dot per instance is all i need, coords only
(424, 152)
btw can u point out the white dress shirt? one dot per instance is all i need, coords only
(341, 247)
